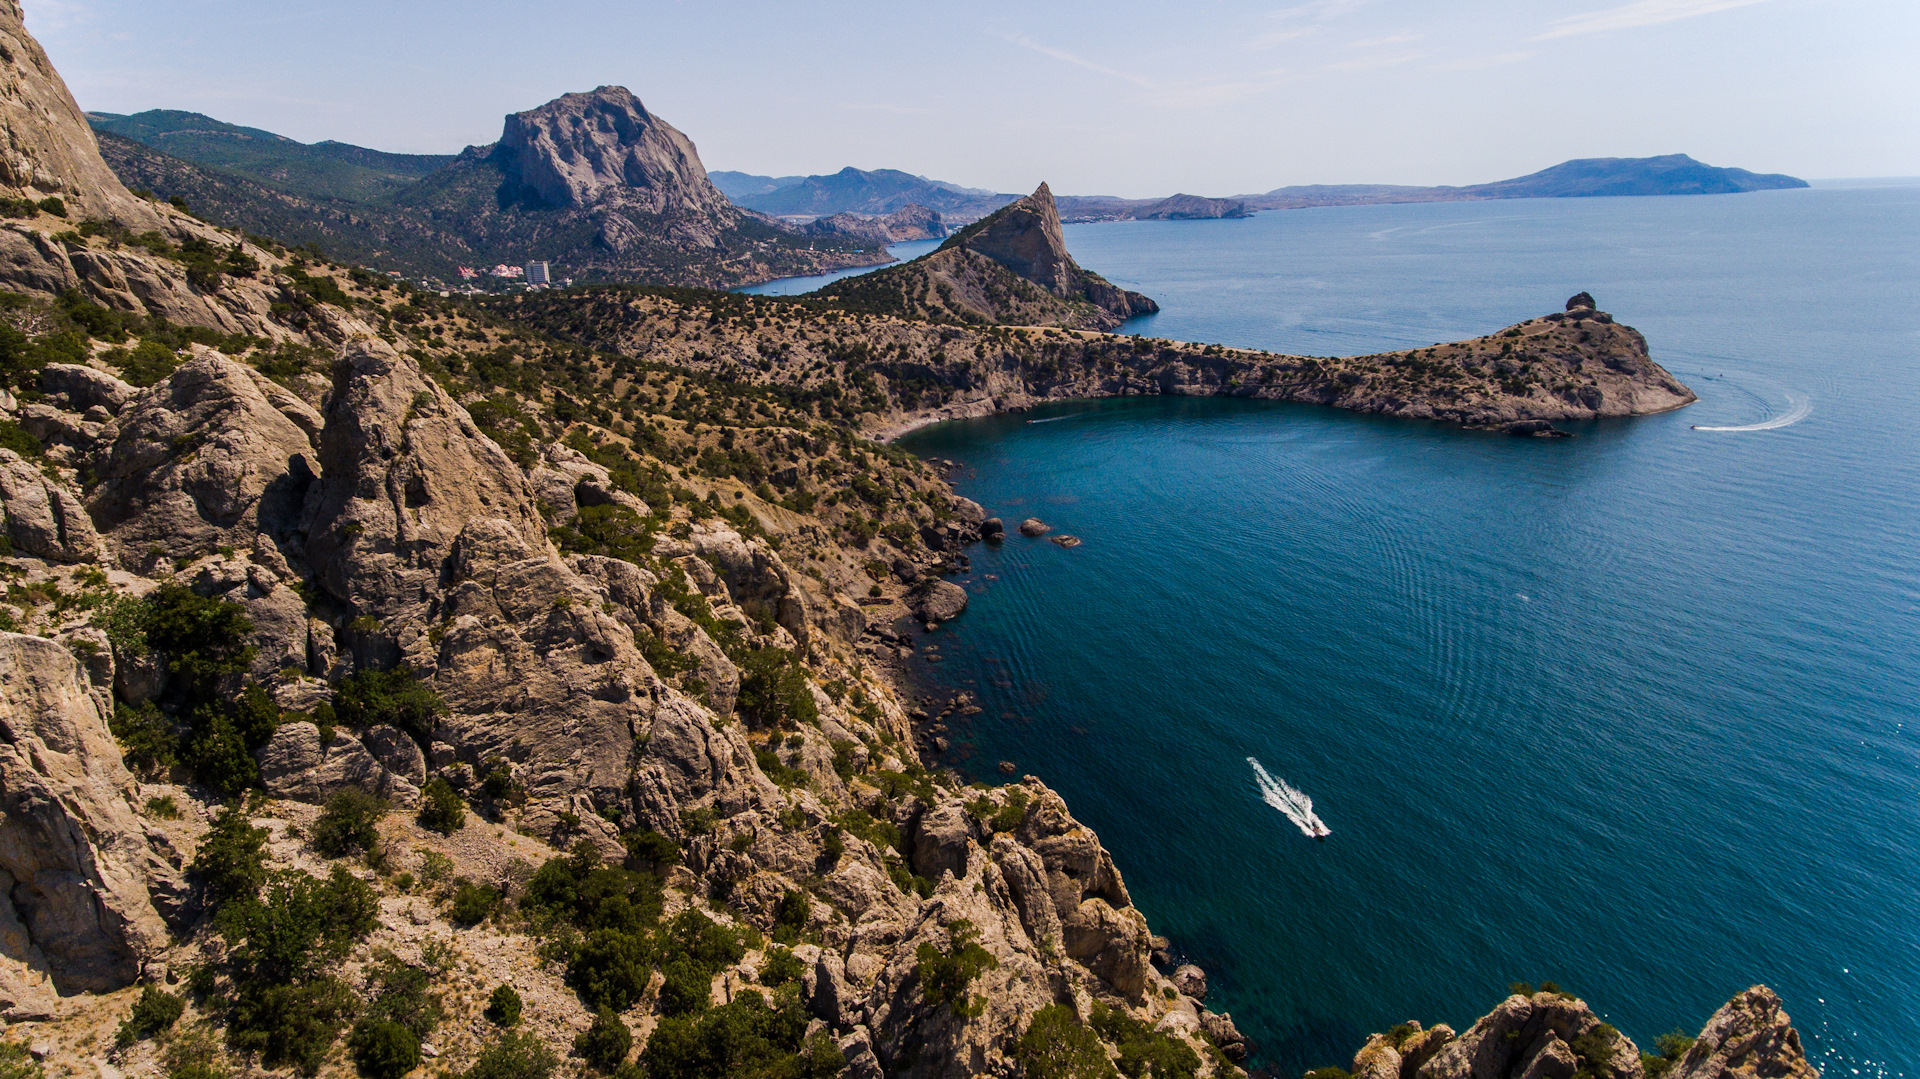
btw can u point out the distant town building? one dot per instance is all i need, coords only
(504, 270)
(468, 273)
(537, 274)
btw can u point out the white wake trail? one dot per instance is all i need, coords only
(1297, 807)
(1798, 409)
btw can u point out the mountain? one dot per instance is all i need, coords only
(879, 192)
(739, 185)
(1672, 174)
(910, 222)
(1011, 267)
(591, 182)
(321, 170)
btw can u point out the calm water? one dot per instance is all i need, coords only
(1634, 711)
(794, 286)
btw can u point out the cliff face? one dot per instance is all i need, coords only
(1552, 1035)
(46, 147)
(1011, 268)
(605, 147)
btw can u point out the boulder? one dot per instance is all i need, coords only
(398, 753)
(992, 528)
(1534, 429)
(43, 517)
(294, 765)
(934, 600)
(79, 874)
(85, 387)
(1034, 526)
(1750, 1037)
(1531, 1037)
(212, 455)
(1191, 981)
(1581, 300)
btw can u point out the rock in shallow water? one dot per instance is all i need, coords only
(1034, 526)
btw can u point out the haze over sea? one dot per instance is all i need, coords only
(1634, 711)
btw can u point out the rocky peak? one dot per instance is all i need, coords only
(1024, 236)
(583, 149)
(46, 147)
(1751, 1035)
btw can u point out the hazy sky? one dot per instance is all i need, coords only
(1118, 97)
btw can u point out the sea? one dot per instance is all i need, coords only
(1636, 712)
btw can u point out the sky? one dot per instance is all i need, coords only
(1118, 97)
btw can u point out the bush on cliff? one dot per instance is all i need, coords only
(747, 1037)
(396, 698)
(232, 860)
(606, 1043)
(514, 1056)
(441, 809)
(946, 976)
(349, 823)
(774, 691)
(1057, 1045)
(1143, 1050)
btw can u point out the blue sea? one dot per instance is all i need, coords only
(1637, 711)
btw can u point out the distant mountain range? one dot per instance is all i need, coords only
(885, 190)
(607, 191)
(591, 182)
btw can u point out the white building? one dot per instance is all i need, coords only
(538, 274)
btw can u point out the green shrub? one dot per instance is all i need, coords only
(154, 1013)
(790, 917)
(514, 1056)
(472, 903)
(15, 437)
(774, 691)
(403, 994)
(147, 739)
(383, 1049)
(17, 1063)
(232, 859)
(193, 1053)
(290, 1025)
(780, 967)
(503, 1007)
(1145, 1051)
(611, 530)
(747, 1037)
(441, 810)
(1670, 1047)
(652, 848)
(148, 363)
(946, 976)
(687, 990)
(348, 824)
(1057, 1045)
(397, 698)
(606, 1043)
(298, 927)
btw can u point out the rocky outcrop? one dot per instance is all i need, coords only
(1750, 1037)
(911, 222)
(212, 455)
(46, 145)
(1193, 208)
(604, 148)
(1542, 1036)
(44, 517)
(1011, 268)
(1025, 237)
(78, 871)
(934, 600)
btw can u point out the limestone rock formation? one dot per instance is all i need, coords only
(584, 149)
(46, 145)
(43, 516)
(1750, 1037)
(1193, 208)
(934, 600)
(910, 222)
(212, 455)
(1543, 1036)
(1011, 267)
(78, 872)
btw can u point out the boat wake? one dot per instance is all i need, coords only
(1296, 806)
(1797, 409)
(1055, 419)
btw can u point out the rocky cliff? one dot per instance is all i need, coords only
(1553, 1035)
(1011, 267)
(910, 222)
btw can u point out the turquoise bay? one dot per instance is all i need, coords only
(1633, 711)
